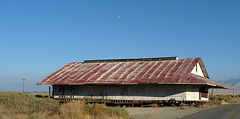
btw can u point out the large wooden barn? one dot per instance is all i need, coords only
(123, 81)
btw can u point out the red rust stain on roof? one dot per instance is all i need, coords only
(162, 72)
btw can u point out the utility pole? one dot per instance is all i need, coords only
(23, 84)
(212, 91)
(49, 93)
(233, 90)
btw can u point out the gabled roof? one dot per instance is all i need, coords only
(147, 71)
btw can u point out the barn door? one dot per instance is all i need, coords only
(203, 92)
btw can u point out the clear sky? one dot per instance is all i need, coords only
(37, 37)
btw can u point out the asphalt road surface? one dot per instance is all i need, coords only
(223, 112)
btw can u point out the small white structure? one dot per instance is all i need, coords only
(133, 80)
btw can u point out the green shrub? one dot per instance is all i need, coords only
(89, 106)
(220, 98)
(34, 116)
(121, 112)
(92, 107)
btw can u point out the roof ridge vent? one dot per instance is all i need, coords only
(132, 60)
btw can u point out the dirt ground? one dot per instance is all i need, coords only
(162, 112)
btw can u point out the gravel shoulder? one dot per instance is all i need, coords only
(162, 112)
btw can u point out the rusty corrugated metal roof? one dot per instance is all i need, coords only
(139, 72)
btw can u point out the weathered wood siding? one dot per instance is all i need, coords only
(129, 92)
(192, 93)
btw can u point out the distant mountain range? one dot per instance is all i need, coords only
(229, 83)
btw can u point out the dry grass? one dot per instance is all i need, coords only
(218, 100)
(15, 105)
(210, 104)
(184, 107)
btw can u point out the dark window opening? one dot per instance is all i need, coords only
(124, 91)
(203, 92)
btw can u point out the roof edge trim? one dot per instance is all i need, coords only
(132, 60)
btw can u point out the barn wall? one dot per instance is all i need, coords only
(55, 92)
(192, 93)
(124, 92)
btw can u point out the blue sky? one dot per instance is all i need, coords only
(37, 37)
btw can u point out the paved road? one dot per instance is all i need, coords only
(223, 112)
